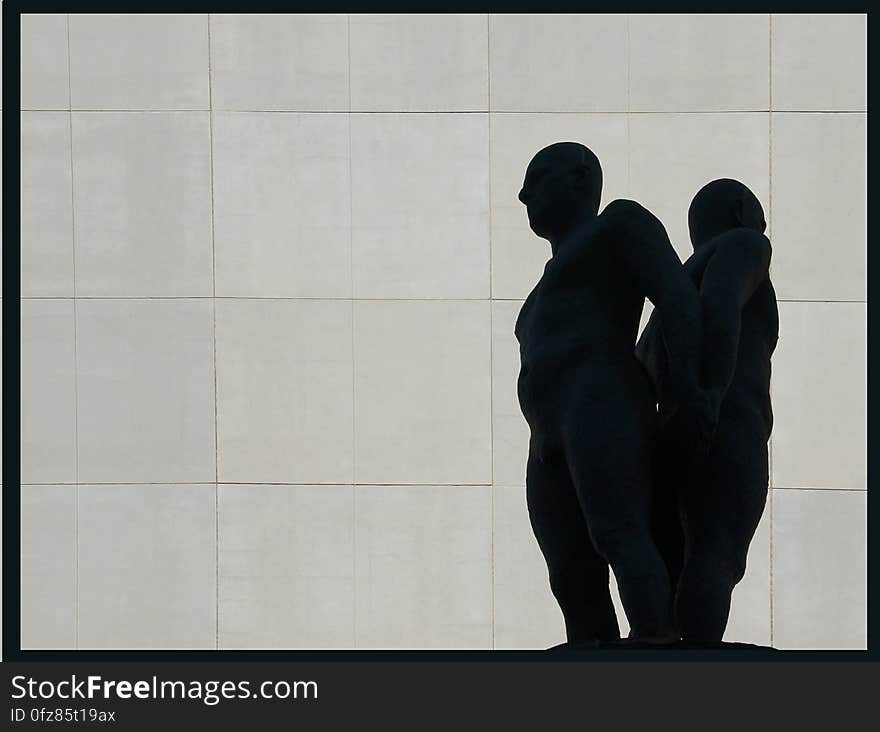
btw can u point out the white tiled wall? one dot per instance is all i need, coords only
(673, 154)
(146, 566)
(286, 566)
(271, 266)
(282, 186)
(284, 394)
(142, 204)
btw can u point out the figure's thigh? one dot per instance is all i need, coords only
(667, 478)
(608, 449)
(722, 512)
(556, 515)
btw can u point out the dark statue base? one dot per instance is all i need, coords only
(626, 644)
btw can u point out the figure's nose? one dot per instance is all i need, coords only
(522, 196)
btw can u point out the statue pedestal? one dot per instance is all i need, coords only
(626, 644)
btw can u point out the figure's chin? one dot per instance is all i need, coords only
(537, 228)
(540, 220)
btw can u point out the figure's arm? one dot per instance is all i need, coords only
(740, 263)
(651, 261)
(652, 353)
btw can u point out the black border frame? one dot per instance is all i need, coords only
(11, 500)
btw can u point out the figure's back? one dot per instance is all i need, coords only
(749, 391)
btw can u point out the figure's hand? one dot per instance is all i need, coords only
(690, 430)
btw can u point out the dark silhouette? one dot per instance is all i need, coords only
(707, 507)
(588, 401)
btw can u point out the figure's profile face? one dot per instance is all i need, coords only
(563, 180)
(549, 192)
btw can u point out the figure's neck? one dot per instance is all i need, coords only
(559, 241)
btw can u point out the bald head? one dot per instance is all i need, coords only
(721, 205)
(571, 157)
(567, 153)
(561, 180)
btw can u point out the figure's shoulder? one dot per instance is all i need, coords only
(624, 210)
(630, 221)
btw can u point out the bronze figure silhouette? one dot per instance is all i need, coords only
(589, 402)
(706, 510)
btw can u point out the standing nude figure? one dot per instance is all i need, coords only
(708, 507)
(587, 399)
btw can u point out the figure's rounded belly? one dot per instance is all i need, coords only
(547, 387)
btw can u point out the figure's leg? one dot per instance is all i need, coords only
(666, 525)
(720, 517)
(609, 455)
(578, 576)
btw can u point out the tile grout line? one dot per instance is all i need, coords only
(772, 503)
(770, 216)
(628, 111)
(680, 112)
(214, 344)
(770, 60)
(386, 485)
(75, 360)
(818, 488)
(491, 340)
(364, 299)
(354, 537)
